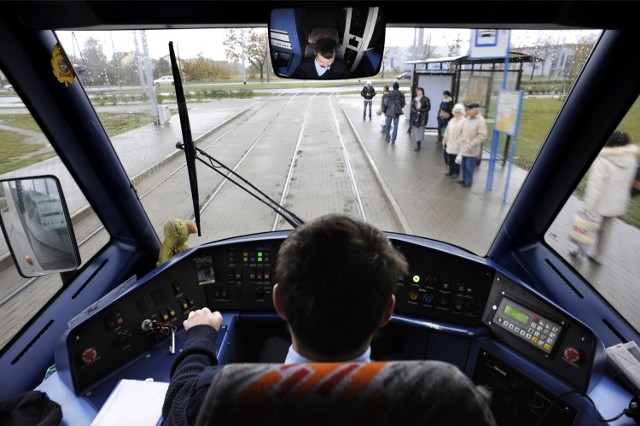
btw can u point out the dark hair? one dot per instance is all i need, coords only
(395, 85)
(618, 138)
(335, 278)
(446, 92)
(326, 47)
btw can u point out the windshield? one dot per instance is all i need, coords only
(315, 147)
(306, 144)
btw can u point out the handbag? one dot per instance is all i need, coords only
(584, 229)
(444, 114)
(458, 159)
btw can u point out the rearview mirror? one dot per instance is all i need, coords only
(326, 43)
(37, 227)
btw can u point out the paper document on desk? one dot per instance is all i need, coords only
(133, 403)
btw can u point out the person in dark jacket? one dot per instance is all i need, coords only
(383, 118)
(324, 64)
(445, 114)
(368, 92)
(419, 116)
(392, 107)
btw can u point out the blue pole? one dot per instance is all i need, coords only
(495, 137)
(512, 152)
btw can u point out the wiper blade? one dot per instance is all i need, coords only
(214, 164)
(189, 147)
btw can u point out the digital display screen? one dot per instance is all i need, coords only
(516, 314)
(528, 325)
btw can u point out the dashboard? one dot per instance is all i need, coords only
(451, 305)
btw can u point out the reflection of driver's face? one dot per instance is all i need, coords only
(324, 62)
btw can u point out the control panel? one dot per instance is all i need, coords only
(442, 287)
(239, 275)
(541, 332)
(131, 324)
(532, 327)
(518, 400)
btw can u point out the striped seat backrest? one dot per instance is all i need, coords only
(375, 393)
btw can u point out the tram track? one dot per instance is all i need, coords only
(294, 123)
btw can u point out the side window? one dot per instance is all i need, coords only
(597, 229)
(26, 152)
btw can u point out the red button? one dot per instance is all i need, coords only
(89, 355)
(572, 355)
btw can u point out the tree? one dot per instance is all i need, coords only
(162, 67)
(96, 61)
(454, 46)
(204, 69)
(250, 43)
(582, 50)
(429, 50)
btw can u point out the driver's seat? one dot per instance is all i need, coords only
(376, 393)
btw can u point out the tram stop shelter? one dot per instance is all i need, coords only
(469, 79)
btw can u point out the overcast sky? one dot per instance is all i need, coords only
(189, 43)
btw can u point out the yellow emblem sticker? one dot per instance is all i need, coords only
(61, 66)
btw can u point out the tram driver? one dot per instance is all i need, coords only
(336, 278)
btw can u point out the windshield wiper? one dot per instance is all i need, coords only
(189, 147)
(190, 152)
(214, 164)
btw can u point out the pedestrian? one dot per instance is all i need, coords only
(393, 108)
(419, 116)
(444, 113)
(451, 140)
(609, 187)
(368, 92)
(474, 132)
(380, 112)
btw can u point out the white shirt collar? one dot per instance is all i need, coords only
(320, 70)
(293, 357)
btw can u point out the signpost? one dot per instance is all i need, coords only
(487, 43)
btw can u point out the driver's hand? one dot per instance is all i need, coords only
(203, 317)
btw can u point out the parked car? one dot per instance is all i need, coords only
(8, 87)
(404, 76)
(167, 80)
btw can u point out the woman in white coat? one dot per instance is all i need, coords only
(451, 139)
(608, 186)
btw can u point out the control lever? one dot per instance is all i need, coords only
(172, 346)
(162, 328)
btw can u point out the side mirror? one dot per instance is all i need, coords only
(349, 41)
(37, 227)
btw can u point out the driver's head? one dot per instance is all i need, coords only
(325, 50)
(336, 278)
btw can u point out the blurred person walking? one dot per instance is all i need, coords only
(609, 188)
